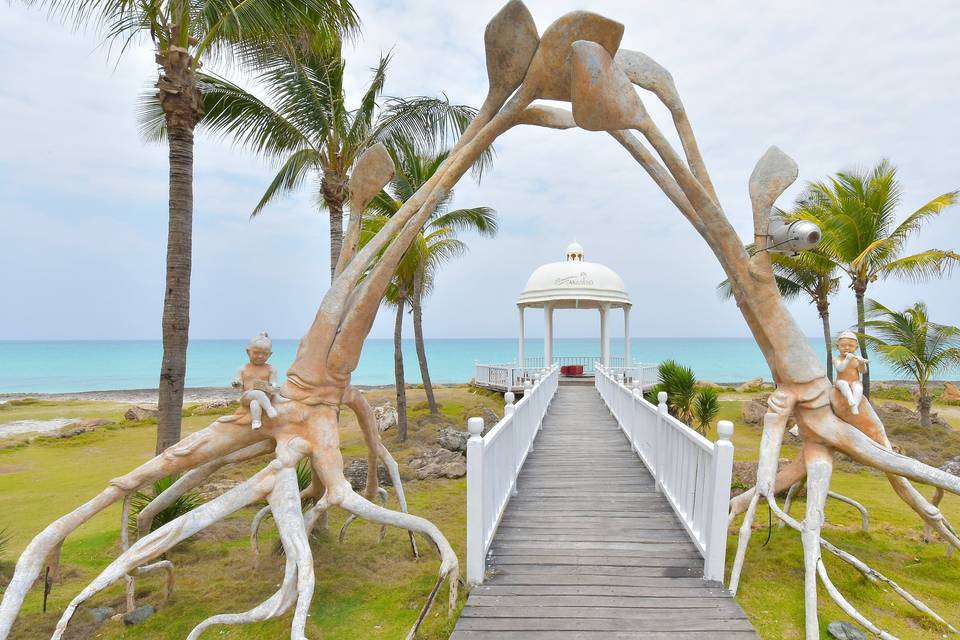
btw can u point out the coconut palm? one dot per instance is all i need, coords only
(806, 273)
(184, 34)
(434, 246)
(857, 211)
(913, 345)
(305, 120)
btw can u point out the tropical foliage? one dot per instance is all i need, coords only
(183, 35)
(706, 407)
(913, 345)
(184, 504)
(306, 122)
(435, 245)
(857, 212)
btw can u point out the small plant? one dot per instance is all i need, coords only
(184, 504)
(706, 406)
(681, 386)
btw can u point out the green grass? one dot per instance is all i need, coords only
(366, 590)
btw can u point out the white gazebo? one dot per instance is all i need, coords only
(575, 283)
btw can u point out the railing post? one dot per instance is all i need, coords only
(716, 550)
(659, 440)
(635, 419)
(476, 544)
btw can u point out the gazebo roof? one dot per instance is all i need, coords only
(574, 284)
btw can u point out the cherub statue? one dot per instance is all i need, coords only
(257, 379)
(849, 367)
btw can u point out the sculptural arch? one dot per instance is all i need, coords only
(577, 59)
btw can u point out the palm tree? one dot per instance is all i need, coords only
(857, 212)
(306, 121)
(913, 345)
(183, 35)
(434, 246)
(807, 272)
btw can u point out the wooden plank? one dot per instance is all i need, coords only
(584, 553)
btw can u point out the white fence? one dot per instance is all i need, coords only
(494, 462)
(511, 376)
(692, 472)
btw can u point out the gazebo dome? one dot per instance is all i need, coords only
(574, 284)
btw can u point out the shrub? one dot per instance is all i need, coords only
(681, 386)
(184, 504)
(706, 406)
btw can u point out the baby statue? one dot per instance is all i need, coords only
(257, 379)
(849, 367)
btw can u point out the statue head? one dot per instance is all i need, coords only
(260, 348)
(847, 342)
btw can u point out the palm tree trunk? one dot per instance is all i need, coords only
(398, 372)
(923, 404)
(181, 102)
(334, 189)
(860, 290)
(176, 300)
(823, 309)
(417, 304)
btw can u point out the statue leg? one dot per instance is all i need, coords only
(819, 461)
(285, 503)
(255, 413)
(217, 440)
(844, 388)
(856, 395)
(164, 538)
(774, 427)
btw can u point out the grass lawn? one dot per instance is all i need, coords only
(366, 590)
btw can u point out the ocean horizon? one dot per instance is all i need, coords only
(66, 366)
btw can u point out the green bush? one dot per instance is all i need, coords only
(184, 504)
(706, 406)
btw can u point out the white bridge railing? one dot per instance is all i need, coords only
(692, 472)
(494, 462)
(511, 376)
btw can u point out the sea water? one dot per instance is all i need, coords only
(68, 366)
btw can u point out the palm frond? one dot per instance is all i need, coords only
(289, 177)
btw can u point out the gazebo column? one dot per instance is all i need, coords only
(548, 335)
(627, 362)
(604, 335)
(520, 355)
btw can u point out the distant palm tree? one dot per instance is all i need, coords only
(183, 34)
(306, 120)
(913, 345)
(857, 212)
(434, 246)
(807, 272)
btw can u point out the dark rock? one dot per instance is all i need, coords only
(138, 615)
(952, 466)
(490, 418)
(842, 630)
(454, 439)
(745, 474)
(752, 411)
(356, 473)
(439, 463)
(101, 614)
(140, 413)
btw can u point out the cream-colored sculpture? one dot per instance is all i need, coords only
(572, 61)
(849, 366)
(257, 380)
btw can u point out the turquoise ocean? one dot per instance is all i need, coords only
(69, 366)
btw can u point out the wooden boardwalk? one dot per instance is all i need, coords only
(589, 550)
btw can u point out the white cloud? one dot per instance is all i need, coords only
(83, 201)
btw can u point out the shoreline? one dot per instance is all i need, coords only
(229, 394)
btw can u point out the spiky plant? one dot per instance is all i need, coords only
(184, 504)
(706, 406)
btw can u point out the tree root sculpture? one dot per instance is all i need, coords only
(577, 59)
(864, 514)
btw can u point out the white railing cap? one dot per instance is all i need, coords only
(475, 426)
(725, 429)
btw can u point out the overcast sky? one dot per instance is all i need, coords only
(835, 85)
